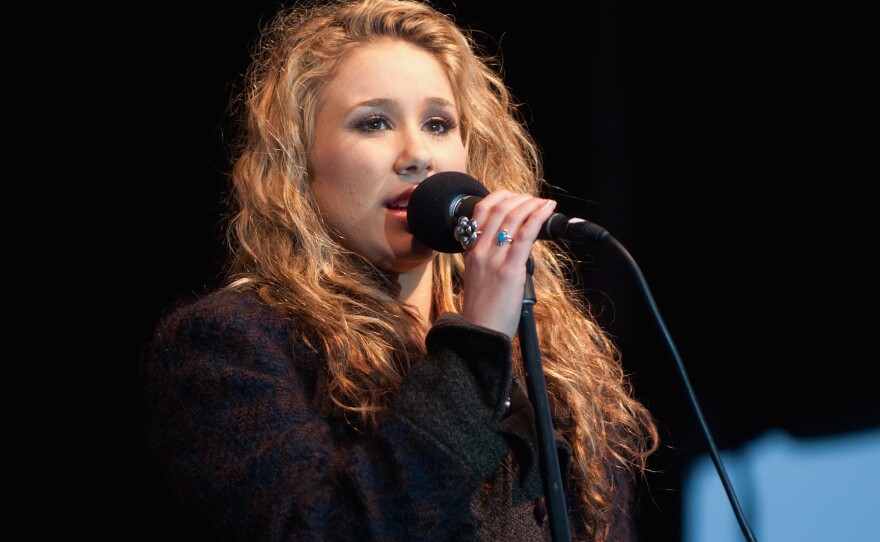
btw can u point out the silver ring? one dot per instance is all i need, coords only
(503, 237)
(466, 232)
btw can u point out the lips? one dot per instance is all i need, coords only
(401, 201)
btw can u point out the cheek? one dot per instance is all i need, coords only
(343, 189)
(454, 159)
(337, 201)
(335, 177)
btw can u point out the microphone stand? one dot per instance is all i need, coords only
(537, 388)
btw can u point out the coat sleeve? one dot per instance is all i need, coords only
(233, 426)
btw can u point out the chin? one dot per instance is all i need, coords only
(413, 257)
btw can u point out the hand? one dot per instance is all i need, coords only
(495, 275)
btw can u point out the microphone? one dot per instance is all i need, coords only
(441, 199)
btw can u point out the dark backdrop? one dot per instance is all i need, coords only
(728, 146)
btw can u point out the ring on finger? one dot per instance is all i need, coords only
(466, 232)
(503, 237)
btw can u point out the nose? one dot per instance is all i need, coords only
(415, 159)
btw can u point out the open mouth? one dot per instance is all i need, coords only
(400, 202)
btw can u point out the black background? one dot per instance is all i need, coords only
(730, 147)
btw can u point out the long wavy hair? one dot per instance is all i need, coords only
(346, 309)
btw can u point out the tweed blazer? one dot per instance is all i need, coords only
(251, 448)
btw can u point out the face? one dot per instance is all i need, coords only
(384, 123)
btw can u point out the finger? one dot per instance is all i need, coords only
(490, 210)
(520, 225)
(494, 211)
(468, 228)
(526, 221)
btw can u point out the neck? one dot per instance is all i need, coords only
(416, 289)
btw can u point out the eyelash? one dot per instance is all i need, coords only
(446, 124)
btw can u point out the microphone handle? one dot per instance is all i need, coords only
(556, 228)
(574, 230)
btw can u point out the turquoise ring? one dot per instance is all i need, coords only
(503, 237)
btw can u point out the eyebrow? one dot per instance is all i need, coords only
(440, 102)
(379, 102)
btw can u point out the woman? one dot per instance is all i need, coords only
(348, 382)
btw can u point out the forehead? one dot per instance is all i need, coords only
(388, 66)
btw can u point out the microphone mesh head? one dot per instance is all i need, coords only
(430, 214)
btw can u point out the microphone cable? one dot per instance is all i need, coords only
(713, 451)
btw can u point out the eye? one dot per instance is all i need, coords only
(373, 123)
(439, 125)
